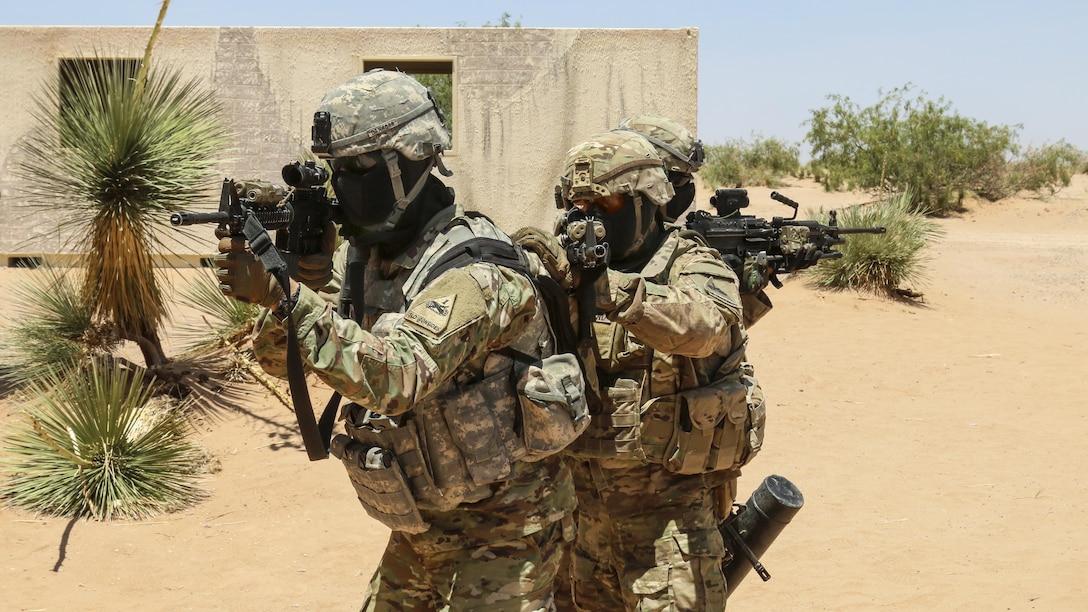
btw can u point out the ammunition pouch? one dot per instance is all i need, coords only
(614, 434)
(380, 483)
(453, 447)
(707, 429)
(551, 396)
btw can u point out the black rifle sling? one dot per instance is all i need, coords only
(315, 440)
(352, 305)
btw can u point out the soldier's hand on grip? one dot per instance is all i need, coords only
(315, 271)
(242, 275)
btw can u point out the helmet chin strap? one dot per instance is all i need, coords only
(639, 236)
(403, 200)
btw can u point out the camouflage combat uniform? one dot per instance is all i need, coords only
(655, 472)
(499, 548)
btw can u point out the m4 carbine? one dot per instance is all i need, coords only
(298, 215)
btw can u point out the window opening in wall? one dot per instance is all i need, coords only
(24, 262)
(436, 74)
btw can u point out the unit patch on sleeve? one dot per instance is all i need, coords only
(433, 314)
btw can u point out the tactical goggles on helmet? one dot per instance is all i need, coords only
(609, 204)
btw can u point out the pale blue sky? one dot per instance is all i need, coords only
(763, 64)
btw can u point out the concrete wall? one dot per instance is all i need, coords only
(522, 97)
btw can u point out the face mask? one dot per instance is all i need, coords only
(366, 199)
(685, 195)
(631, 230)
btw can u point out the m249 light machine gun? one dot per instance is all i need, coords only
(777, 246)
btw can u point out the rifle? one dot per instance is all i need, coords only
(583, 237)
(298, 215)
(778, 246)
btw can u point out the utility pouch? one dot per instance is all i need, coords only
(614, 433)
(551, 395)
(380, 484)
(757, 416)
(698, 430)
(403, 438)
(480, 418)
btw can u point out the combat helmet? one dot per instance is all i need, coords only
(683, 156)
(618, 163)
(387, 112)
(674, 142)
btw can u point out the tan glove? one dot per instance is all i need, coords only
(552, 254)
(315, 271)
(242, 275)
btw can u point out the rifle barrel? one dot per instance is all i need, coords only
(861, 230)
(193, 218)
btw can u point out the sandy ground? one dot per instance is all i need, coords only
(939, 447)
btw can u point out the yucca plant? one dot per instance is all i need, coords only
(223, 319)
(52, 327)
(94, 444)
(117, 155)
(880, 263)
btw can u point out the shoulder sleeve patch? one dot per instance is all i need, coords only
(432, 314)
(446, 306)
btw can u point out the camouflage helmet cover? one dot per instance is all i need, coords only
(614, 162)
(383, 109)
(674, 142)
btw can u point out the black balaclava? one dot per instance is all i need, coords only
(366, 196)
(633, 232)
(367, 200)
(685, 195)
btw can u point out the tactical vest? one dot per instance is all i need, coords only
(522, 403)
(692, 416)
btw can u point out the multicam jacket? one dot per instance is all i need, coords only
(428, 348)
(671, 367)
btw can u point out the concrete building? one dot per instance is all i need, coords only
(521, 98)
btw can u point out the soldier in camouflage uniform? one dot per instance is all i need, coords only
(683, 155)
(439, 439)
(681, 411)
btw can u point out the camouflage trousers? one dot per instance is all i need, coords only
(647, 540)
(512, 576)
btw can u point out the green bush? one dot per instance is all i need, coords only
(96, 445)
(1045, 169)
(223, 319)
(760, 162)
(902, 145)
(879, 263)
(52, 327)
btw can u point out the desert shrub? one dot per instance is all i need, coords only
(117, 151)
(94, 444)
(759, 162)
(1043, 169)
(51, 328)
(909, 145)
(223, 319)
(879, 263)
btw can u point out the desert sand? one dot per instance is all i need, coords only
(939, 445)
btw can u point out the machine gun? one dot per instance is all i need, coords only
(298, 215)
(778, 246)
